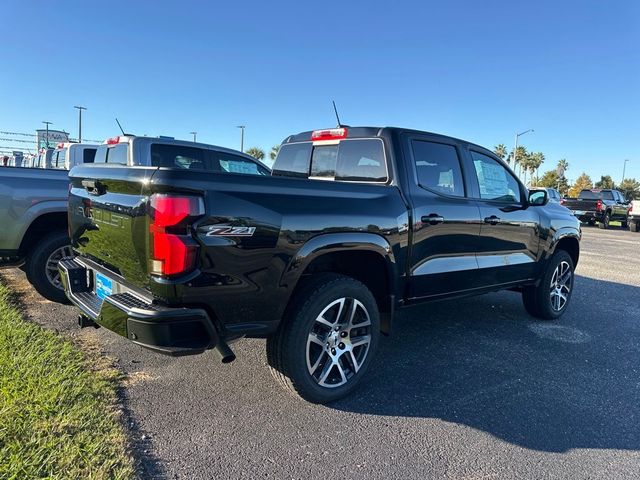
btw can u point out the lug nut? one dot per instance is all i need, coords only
(343, 334)
(337, 328)
(341, 345)
(333, 351)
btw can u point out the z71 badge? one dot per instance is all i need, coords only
(229, 231)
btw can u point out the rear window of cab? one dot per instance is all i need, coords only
(355, 160)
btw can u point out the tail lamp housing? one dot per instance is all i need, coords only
(173, 250)
(599, 205)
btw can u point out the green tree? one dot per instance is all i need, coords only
(605, 182)
(256, 153)
(630, 188)
(550, 179)
(535, 161)
(582, 182)
(274, 152)
(500, 151)
(521, 158)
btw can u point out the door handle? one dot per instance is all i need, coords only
(493, 220)
(432, 219)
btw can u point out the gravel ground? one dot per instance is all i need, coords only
(465, 389)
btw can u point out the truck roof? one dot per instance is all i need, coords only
(368, 132)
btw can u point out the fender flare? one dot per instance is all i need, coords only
(339, 242)
(566, 232)
(39, 210)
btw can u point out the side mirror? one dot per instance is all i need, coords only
(538, 198)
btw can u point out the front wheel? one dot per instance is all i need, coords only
(327, 339)
(549, 299)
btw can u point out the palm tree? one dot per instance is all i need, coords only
(500, 151)
(521, 159)
(563, 164)
(535, 161)
(274, 152)
(256, 153)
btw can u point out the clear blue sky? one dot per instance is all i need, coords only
(479, 70)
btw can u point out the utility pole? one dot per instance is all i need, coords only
(241, 127)
(80, 122)
(47, 134)
(515, 150)
(194, 135)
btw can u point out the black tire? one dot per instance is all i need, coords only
(538, 299)
(36, 266)
(289, 351)
(624, 224)
(634, 226)
(604, 223)
(591, 222)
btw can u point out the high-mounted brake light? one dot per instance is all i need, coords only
(60, 145)
(173, 249)
(112, 140)
(329, 134)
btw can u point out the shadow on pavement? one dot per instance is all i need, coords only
(483, 362)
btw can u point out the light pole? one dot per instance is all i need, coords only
(515, 150)
(47, 134)
(80, 122)
(241, 127)
(194, 135)
(624, 167)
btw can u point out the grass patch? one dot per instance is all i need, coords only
(57, 415)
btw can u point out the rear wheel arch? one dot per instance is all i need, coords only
(41, 226)
(364, 257)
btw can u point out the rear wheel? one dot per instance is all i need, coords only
(634, 226)
(327, 339)
(41, 266)
(591, 222)
(549, 299)
(604, 223)
(624, 224)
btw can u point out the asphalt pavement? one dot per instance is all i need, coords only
(464, 389)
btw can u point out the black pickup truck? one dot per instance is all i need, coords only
(599, 205)
(352, 224)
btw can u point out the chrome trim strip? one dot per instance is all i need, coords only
(462, 263)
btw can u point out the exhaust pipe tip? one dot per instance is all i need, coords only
(225, 352)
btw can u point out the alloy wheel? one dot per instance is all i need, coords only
(338, 343)
(561, 282)
(51, 268)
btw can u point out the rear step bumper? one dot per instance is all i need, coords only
(170, 331)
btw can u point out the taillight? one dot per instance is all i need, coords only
(173, 249)
(599, 205)
(112, 140)
(562, 200)
(329, 134)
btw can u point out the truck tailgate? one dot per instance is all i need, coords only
(108, 218)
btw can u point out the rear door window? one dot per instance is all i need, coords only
(438, 167)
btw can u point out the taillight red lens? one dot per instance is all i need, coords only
(599, 205)
(112, 140)
(562, 200)
(174, 250)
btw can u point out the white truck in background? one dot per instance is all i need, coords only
(67, 155)
(634, 216)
